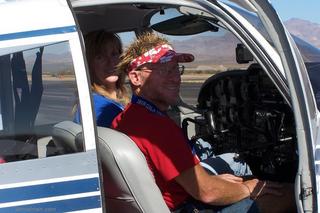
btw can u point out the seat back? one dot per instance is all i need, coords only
(128, 183)
(65, 134)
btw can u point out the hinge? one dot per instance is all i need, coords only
(306, 192)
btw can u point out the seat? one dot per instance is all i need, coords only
(128, 182)
(129, 185)
(67, 137)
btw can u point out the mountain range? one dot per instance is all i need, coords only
(222, 47)
(305, 30)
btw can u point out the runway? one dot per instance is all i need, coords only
(59, 97)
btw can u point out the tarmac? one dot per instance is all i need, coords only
(194, 77)
(186, 78)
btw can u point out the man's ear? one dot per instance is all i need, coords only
(135, 78)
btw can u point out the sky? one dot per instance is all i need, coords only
(303, 9)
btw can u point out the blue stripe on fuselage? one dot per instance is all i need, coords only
(35, 33)
(57, 206)
(49, 190)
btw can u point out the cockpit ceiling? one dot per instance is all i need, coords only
(117, 18)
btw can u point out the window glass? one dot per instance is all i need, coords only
(313, 72)
(127, 37)
(37, 100)
(310, 53)
(214, 52)
(59, 86)
(1, 126)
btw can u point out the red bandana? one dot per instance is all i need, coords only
(162, 54)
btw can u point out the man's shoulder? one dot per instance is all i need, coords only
(134, 114)
(137, 116)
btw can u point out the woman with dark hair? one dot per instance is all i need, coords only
(110, 95)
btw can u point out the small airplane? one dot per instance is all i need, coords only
(261, 100)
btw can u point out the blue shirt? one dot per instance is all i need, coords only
(105, 108)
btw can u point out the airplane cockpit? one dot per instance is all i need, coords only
(242, 94)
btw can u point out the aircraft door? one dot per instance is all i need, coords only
(48, 163)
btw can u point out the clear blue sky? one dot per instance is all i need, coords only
(303, 9)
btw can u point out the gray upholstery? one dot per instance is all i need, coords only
(64, 136)
(128, 182)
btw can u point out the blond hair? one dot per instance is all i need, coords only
(95, 43)
(141, 45)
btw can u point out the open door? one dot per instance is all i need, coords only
(41, 70)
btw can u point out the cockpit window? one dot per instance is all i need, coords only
(250, 16)
(310, 53)
(38, 91)
(214, 51)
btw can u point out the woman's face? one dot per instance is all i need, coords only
(104, 65)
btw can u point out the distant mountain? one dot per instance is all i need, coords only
(58, 62)
(51, 63)
(305, 30)
(220, 48)
(210, 51)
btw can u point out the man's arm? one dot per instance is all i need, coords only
(214, 190)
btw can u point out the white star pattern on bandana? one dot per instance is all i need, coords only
(162, 53)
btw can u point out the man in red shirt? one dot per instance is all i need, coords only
(154, 74)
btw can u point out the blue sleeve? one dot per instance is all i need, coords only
(105, 109)
(77, 117)
(106, 114)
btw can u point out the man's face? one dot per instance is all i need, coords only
(160, 83)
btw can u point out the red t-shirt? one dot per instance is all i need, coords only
(163, 145)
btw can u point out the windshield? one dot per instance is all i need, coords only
(310, 53)
(208, 34)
